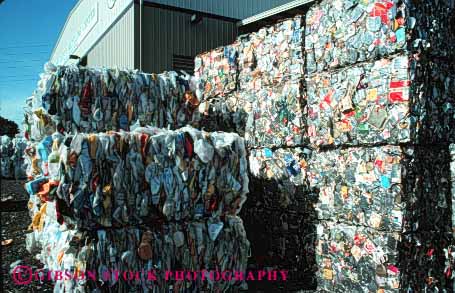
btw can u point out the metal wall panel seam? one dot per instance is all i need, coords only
(110, 27)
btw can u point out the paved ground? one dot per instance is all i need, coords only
(14, 223)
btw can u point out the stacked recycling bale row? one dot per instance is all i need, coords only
(147, 199)
(280, 217)
(71, 99)
(379, 89)
(254, 87)
(377, 98)
(382, 191)
(263, 99)
(11, 161)
(189, 176)
(156, 250)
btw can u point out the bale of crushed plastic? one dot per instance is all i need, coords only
(119, 178)
(76, 99)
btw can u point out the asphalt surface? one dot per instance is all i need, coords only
(15, 220)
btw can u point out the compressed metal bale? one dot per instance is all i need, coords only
(278, 216)
(385, 188)
(355, 99)
(341, 33)
(272, 55)
(397, 100)
(282, 239)
(356, 259)
(217, 71)
(227, 113)
(364, 104)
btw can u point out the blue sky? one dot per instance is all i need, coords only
(29, 31)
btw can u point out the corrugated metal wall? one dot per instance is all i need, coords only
(116, 48)
(168, 32)
(88, 21)
(238, 9)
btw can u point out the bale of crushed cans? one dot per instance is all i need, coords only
(217, 71)
(191, 183)
(392, 101)
(272, 55)
(279, 217)
(385, 188)
(341, 33)
(266, 102)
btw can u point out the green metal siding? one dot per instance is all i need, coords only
(238, 9)
(167, 33)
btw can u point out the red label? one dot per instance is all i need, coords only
(349, 114)
(399, 84)
(381, 9)
(378, 163)
(396, 97)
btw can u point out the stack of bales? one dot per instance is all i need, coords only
(145, 199)
(379, 111)
(348, 141)
(254, 87)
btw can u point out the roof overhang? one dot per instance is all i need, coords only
(270, 16)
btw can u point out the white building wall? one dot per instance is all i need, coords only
(88, 21)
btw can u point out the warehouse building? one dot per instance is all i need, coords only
(156, 35)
